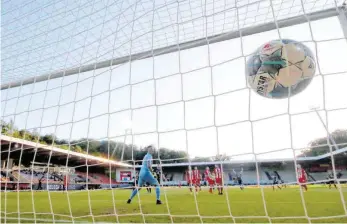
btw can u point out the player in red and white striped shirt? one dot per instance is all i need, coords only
(196, 178)
(209, 178)
(302, 176)
(189, 178)
(66, 182)
(219, 179)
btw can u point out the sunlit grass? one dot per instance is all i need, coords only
(179, 205)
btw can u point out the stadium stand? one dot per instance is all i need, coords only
(52, 177)
(101, 178)
(283, 169)
(19, 177)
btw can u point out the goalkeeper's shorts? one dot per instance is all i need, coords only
(147, 177)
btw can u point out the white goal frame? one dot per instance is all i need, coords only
(338, 11)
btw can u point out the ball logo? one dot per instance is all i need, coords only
(262, 85)
(267, 46)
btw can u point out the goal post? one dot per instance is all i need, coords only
(88, 85)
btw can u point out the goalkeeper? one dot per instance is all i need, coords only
(146, 175)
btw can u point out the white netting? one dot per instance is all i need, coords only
(104, 78)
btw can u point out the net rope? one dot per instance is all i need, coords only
(8, 75)
(228, 13)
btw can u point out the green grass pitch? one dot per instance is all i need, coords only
(245, 206)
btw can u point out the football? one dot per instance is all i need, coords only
(280, 69)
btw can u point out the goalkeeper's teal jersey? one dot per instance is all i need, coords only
(146, 162)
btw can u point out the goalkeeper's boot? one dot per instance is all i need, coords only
(129, 201)
(159, 202)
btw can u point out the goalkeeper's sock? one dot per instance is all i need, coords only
(157, 192)
(133, 194)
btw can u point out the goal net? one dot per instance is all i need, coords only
(87, 85)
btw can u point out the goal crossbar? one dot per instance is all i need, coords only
(182, 46)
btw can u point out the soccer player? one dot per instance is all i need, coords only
(66, 182)
(39, 187)
(275, 182)
(136, 180)
(209, 178)
(148, 187)
(331, 180)
(189, 178)
(145, 175)
(154, 173)
(219, 179)
(302, 176)
(239, 178)
(160, 175)
(197, 178)
(281, 181)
